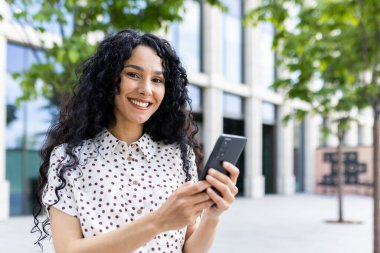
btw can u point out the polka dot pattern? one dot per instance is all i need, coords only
(117, 183)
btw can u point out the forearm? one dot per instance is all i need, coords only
(202, 238)
(127, 238)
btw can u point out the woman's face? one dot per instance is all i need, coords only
(142, 87)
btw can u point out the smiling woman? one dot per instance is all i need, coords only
(119, 170)
(142, 89)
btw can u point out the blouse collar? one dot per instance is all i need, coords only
(109, 144)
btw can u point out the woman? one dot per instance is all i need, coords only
(119, 170)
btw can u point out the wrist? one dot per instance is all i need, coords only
(210, 218)
(158, 222)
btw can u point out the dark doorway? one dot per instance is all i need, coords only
(234, 126)
(269, 158)
(299, 156)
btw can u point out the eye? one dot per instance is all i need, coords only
(133, 75)
(157, 80)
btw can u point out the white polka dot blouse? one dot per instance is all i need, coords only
(116, 183)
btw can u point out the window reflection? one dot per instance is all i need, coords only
(25, 131)
(232, 33)
(268, 113)
(185, 36)
(32, 118)
(232, 106)
(195, 94)
(267, 57)
(50, 27)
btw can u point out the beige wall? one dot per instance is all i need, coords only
(323, 169)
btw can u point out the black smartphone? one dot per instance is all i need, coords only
(228, 148)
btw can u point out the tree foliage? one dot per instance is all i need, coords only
(77, 24)
(334, 42)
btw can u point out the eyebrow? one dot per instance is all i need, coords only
(157, 72)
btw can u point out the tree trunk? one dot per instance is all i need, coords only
(340, 175)
(376, 180)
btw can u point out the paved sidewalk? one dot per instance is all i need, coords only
(273, 224)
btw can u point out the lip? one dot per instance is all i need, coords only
(141, 100)
(137, 106)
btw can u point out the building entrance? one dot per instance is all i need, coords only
(234, 126)
(269, 158)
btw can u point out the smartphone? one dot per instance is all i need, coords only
(228, 148)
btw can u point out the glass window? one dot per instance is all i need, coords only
(15, 52)
(24, 124)
(299, 155)
(195, 94)
(232, 37)
(268, 113)
(52, 26)
(25, 131)
(186, 37)
(267, 57)
(232, 106)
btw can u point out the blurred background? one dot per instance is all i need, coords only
(298, 78)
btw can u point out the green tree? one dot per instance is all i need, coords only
(78, 22)
(338, 42)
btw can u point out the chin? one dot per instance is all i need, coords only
(141, 120)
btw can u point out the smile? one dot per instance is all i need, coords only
(139, 103)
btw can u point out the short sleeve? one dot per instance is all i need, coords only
(66, 201)
(193, 167)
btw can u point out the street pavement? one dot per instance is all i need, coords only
(272, 224)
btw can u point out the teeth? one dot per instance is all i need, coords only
(142, 104)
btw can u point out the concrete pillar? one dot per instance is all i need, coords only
(254, 181)
(311, 144)
(4, 184)
(212, 118)
(252, 51)
(212, 96)
(212, 40)
(285, 169)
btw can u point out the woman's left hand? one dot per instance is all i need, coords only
(225, 185)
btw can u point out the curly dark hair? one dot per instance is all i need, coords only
(91, 108)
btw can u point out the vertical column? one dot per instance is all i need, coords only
(212, 96)
(311, 143)
(251, 51)
(212, 117)
(4, 185)
(212, 40)
(254, 182)
(285, 174)
(254, 179)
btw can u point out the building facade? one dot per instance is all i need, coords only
(230, 68)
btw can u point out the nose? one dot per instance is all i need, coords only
(145, 88)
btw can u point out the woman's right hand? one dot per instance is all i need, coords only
(183, 206)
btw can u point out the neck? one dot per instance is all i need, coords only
(127, 132)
